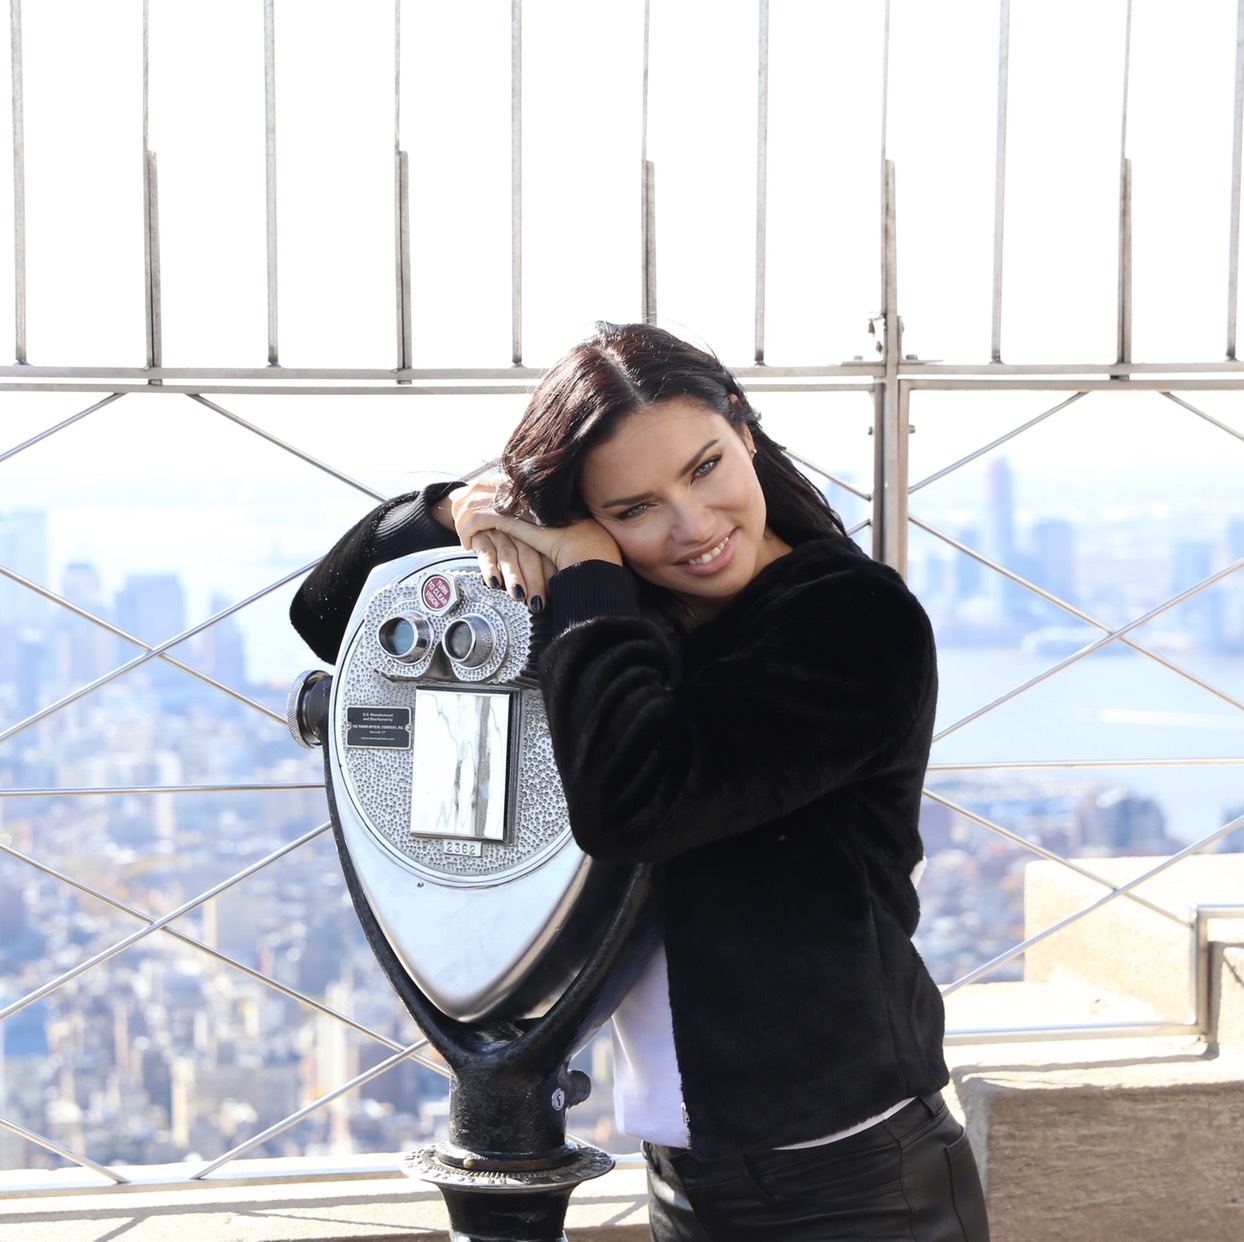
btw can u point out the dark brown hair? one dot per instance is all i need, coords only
(622, 368)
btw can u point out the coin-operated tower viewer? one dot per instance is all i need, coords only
(507, 945)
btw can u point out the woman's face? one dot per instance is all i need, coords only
(676, 488)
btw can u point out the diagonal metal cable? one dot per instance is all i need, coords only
(1109, 636)
(256, 1140)
(51, 431)
(287, 447)
(837, 480)
(1080, 614)
(1209, 418)
(86, 615)
(993, 444)
(1006, 765)
(151, 653)
(1048, 854)
(160, 923)
(1121, 891)
(41, 1140)
(291, 993)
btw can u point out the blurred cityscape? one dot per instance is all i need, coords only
(164, 1052)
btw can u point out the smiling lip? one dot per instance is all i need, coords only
(713, 560)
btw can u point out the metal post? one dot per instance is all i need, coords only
(762, 175)
(999, 201)
(648, 205)
(19, 185)
(1124, 317)
(401, 179)
(1233, 244)
(891, 426)
(269, 81)
(151, 219)
(151, 248)
(1125, 263)
(516, 181)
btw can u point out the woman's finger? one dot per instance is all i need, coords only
(486, 553)
(476, 520)
(532, 576)
(509, 566)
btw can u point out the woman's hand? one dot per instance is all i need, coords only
(517, 554)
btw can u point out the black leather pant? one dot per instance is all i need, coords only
(910, 1177)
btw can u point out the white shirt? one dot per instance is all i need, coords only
(647, 1087)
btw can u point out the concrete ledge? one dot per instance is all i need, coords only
(1124, 947)
(1113, 1146)
(1131, 1139)
(391, 1207)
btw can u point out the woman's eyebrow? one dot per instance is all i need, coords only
(687, 469)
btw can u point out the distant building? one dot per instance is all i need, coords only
(222, 648)
(1233, 842)
(152, 607)
(23, 549)
(1054, 557)
(1204, 614)
(1117, 821)
(85, 650)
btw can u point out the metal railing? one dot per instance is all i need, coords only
(887, 382)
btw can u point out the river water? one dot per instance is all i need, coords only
(1106, 706)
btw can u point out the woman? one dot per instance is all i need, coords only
(738, 694)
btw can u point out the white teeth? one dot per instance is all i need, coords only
(711, 555)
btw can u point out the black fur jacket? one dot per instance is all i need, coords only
(771, 762)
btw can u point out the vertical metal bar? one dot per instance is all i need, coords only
(999, 194)
(151, 217)
(19, 185)
(762, 175)
(897, 445)
(878, 497)
(648, 206)
(885, 80)
(1233, 262)
(890, 453)
(650, 242)
(404, 338)
(1201, 972)
(1124, 315)
(401, 183)
(516, 181)
(269, 82)
(146, 92)
(1125, 262)
(882, 394)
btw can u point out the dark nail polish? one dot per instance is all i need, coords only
(495, 582)
(519, 593)
(536, 603)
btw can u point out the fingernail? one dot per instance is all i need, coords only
(536, 603)
(519, 593)
(495, 582)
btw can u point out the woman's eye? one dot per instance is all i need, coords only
(706, 467)
(633, 511)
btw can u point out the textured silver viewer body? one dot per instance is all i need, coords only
(447, 795)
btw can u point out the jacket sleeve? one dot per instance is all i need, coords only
(321, 608)
(832, 682)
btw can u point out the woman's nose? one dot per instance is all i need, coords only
(693, 522)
